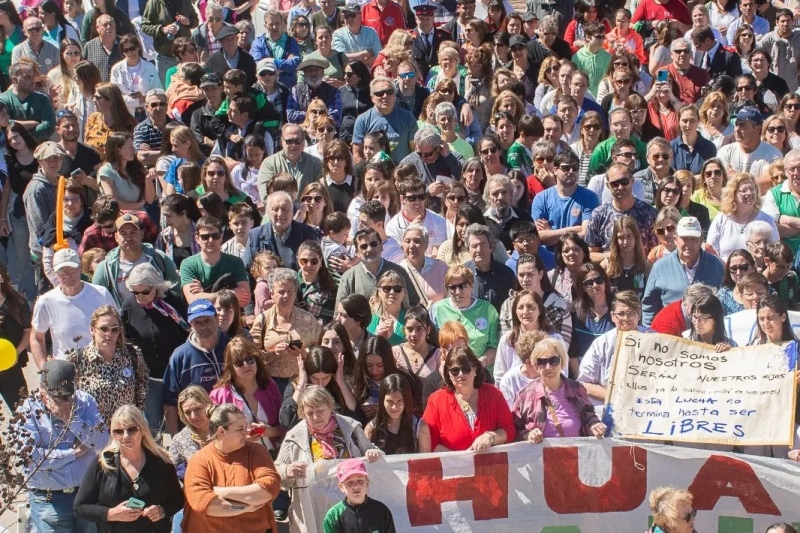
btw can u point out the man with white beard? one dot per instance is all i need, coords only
(312, 87)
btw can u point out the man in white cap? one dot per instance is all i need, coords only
(313, 87)
(66, 310)
(675, 271)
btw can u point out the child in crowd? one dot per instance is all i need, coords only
(519, 154)
(357, 512)
(394, 428)
(91, 258)
(263, 264)
(336, 227)
(184, 91)
(240, 221)
(245, 174)
(190, 177)
(285, 182)
(778, 259)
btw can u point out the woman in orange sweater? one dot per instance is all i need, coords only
(230, 483)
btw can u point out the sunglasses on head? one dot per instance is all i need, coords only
(308, 261)
(666, 229)
(542, 362)
(456, 370)
(109, 329)
(205, 237)
(133, 430)
(249, 360)
(364, 246)
(588, 283)
(389, 288)
(624, 182)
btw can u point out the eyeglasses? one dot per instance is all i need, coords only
(549, 159)
(625, 314)
(215, 173)
(661, 157)
(457, 287)
(384, 92)
(456, 199)
(407, 75)
(671, 190)
(34, 29)
(566, 167)
(701, 319)
(712, 173)
(591, 127)
(666, 229)
(129, 49)
(739, 268)
(554, 69)
(316, 199)
(205, 237)
(624, 182)
(142, 293)
(305, 261)
(456, 370)
(156, 105)
(487, 151)
(681, 51)
(525, 240)
(133, 430)
(389, 288)
(249, 360)
(689, 516)
(364, 246)
(627, 155)
(542, 362)
(293, 141)
(776, 129)
(109, 329)
(329, 129)
(588, 283)
(414, 197)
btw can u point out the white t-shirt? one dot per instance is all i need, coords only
(513, 381)
(756, 162)
(67, 317)
(725, 235)
(435, 224)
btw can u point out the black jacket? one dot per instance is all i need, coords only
(501, 231)
(100, 490)
(354, 103)
(155, 334)
(368, 517)
(425, 56)
(421, 92)
(216, 63)
(724, 62)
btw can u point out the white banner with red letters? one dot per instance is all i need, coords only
(566, 486)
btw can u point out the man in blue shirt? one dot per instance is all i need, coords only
(686, 156)
(567, 207)
(400, 125)
(65, 431)
(277, 44)
(356, 41)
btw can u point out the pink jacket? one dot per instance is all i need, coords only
(269, 398)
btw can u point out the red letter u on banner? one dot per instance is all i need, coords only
(427, 489)
(565, 493)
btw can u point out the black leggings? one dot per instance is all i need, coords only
(13, 386)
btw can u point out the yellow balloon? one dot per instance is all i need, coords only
(8, 355)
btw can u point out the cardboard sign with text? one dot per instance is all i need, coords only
(671, 389)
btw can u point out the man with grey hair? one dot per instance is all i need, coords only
(659, 166)
(35, 47)
(305, 168)
(204, 36)
(436, 165)
(550, 36)
(446, 117)
(148, 134)
(781, 202)
(280, 233)
(757, 235)
(493, 279)
(399, 125)
(686, 81)
(426, 273)
(675, 318)
(500, 215)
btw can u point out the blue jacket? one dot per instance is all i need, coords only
(668, 281)
(192, 365)
(286, 64)
(262, 239)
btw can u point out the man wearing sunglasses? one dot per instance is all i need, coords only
(600, 230)
(304, 167)
(35, 47)
(112, 272)
(363, 277)
(67, 430)
(148, 134)
(426, 38)
(674, 272)
(659, 166)
(413, 210)
(25, 105)
(398, 124)
(358, 42)
(686, 80)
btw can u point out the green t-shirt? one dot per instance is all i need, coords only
(194, 268)
(480, 319)
(398, 336)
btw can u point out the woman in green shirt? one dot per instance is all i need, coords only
(389, 304)
(10, 33)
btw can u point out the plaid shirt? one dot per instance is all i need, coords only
(213, 44)
(312, 298)
(94, 237)
(93, 51)
(530, 411)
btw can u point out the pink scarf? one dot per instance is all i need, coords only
(325, 438)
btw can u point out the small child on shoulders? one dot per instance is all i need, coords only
(336, 227)
(263, 264)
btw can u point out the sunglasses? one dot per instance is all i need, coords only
(326, 130)
(592, 127)
(348, 73)
(456, 198)
(133, 430)
(444, 91)
(457, 287)
(205, 237)
(776, 129)
(623, 81)
(156, 105)
(214, 19)
(739, 268)
(549, 159)
(142, 293)
(793, 107)
(249, 360)
(588, 283)
(689, 516)
(624, 182)
(566, 167)
(746, 88)
(316, 199)
(129, 49)
(665, 229)
(681, 51)
(456, 370)
(304, 261)
(77, 54)
(711, 173)
(389, 288)
(542, 362)
(426, 155)
(414, 197)
(303, 25)
(293, 142)
(364, 246)
(407, 75)
(487, 151)
(217, 173)
(381, 94)
(336, 158)
(34, 29)
(661, 157)
(109, 329)
(671, 190)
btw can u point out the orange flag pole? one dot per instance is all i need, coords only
(60, 191)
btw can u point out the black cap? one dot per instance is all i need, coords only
(58, 378)
(209, 80)
(529, 16)
(517, 40)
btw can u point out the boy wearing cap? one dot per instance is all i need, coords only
(357, 511)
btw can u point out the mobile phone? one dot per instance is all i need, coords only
(297, 343)
(663, 76)
(75, 173)
(257, 432)
(134, 503)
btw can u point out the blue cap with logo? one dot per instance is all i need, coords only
(749, 114)
(200, 308)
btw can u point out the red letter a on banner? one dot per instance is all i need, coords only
(565, 493)
(427, 489)
(726, 476)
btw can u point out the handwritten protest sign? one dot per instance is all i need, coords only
(668, 388)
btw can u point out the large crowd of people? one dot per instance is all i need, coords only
(342, 230)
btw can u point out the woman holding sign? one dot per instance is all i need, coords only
(552, 405)
(708, 326)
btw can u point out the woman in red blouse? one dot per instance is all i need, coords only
(467, 414)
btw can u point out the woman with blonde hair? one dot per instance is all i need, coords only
(627, 266)
(389, 304)
(510, 103)
(114, 372)
(185, 149)
(193, 405)
(478, 83)
(449, 68)
(740, 205)
(61, 76)
(428, 114)
(323, 129)
(393, 55)
(714, 120)
(112, 115)
(131, 466)
(548, 79)
(316, 204)
(672, 510)
(713, 178)
(776, 133)
(316, 108)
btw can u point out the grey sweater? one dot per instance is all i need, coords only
(40, 201)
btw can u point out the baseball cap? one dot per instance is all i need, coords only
(127, 218)
(201, 308)
(58, 378)
(210, 80)
(349, 468)
(689, 227)
(529, 16)
(517, 40)
(66, 257)
(749, 114)
(266, 65)
(353, 7)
